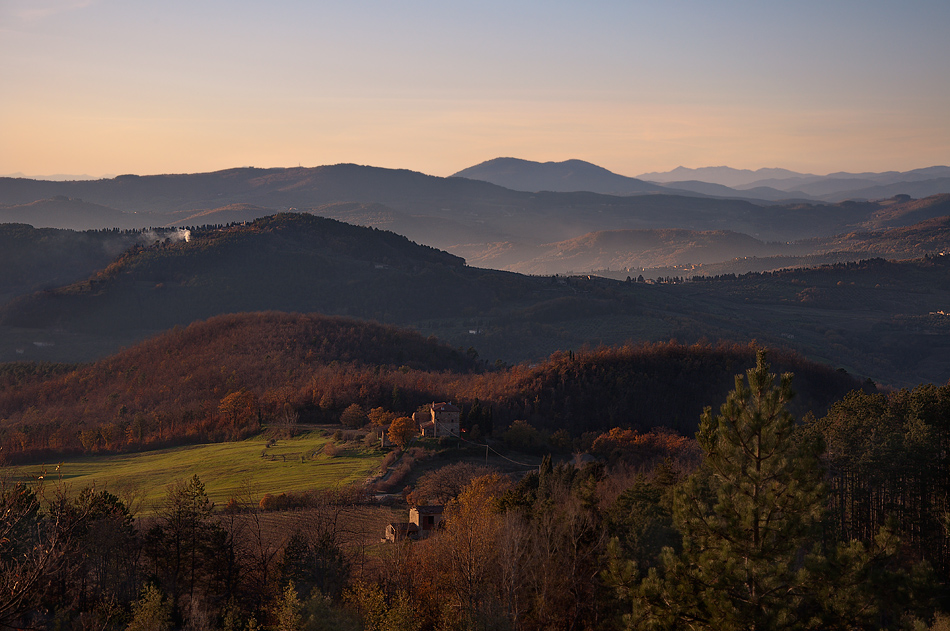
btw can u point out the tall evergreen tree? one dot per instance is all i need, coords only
(750, 519)
(186, 548)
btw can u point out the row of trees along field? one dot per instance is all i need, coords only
(768, 529)
(222, 378)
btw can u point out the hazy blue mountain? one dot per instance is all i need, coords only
(619, 250)
(567, 176)
(897, 228)
(836, 187)
(726, 176)
(273, 188)
(830, 186)
(893, 177)
(70, 213)
(917, 189)
(57, 177)
(460, 215)
(765, 193)
(833, 187)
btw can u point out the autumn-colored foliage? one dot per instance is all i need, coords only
(402, 430)
(631, 446)
(222, 378)
(214, 379)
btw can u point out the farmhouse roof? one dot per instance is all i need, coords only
(430, 510)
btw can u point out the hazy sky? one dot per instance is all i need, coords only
(130, 86)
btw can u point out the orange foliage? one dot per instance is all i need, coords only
(629, 444)
(216, 380)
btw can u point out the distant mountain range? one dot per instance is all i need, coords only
(438, 211)
(57, 177)
(486, 223)
(762, 184)
(725, 176)
(833, 187)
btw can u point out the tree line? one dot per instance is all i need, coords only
(777, 524)
(181, 386)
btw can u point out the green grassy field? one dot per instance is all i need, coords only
(227, 469)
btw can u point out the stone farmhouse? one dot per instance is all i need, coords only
(423, 521)
(444, 422)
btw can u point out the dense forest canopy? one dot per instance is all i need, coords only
(835, 523)
(170, 389)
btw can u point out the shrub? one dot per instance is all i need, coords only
(353, 416)
(268, 502)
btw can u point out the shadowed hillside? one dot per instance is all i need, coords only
(176, 387)
(876, 319)
(567, 176)
(220, 379)
(69, 213)
(285, 262)
(635, 386)
(32, 259)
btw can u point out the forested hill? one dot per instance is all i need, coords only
(219, 379)
(289, 262)
(275, 188)
(883, 320)
(214, 380)
(43, 258)
(635, 386)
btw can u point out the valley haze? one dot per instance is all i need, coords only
(607, 258)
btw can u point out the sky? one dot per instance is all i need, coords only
(103, 87)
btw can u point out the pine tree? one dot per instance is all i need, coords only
(747, 517)
(751, 519)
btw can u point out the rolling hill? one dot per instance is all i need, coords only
(443, 212)
(68, 213)
(220, 379)
(564, 177)
(302, 263)
(615, 253)
(620, 250)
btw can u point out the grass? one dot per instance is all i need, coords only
(226, 469)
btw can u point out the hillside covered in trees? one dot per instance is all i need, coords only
(833, 523)
(877, 319)
(222, 378)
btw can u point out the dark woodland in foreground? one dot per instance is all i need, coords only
(762, 522)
